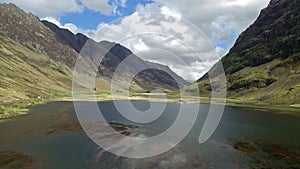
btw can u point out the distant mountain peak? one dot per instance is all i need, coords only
(11, 6)
(65, 36)
(14, 11)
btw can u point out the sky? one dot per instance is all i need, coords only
(189, 36)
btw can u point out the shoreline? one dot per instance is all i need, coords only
(14, 109)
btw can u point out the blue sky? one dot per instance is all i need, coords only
(89, 19)
(208, 27)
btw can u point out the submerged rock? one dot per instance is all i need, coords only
(10, 160)
(281, 153)
(121, 127)
(245, 147)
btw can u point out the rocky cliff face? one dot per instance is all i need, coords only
(264, 63)
(27, 30)
(275, 34)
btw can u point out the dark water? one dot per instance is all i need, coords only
(50, 137)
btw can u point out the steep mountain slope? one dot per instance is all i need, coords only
(153, 75)
(179, 79)
(62, 46)
(65, 36)
(264, 64)
(148, 79)
(28, 76)
(27, 30)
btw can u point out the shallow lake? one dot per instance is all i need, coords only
(50, 137)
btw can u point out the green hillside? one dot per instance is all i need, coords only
(28, 77)
(263, 67)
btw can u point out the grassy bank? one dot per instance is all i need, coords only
(17, 108)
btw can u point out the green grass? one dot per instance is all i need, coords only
(274, 85)
(28, 78)
(2, 110)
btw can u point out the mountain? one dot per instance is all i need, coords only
(65, 36)
(178, 79)
(27, 30)
(32, 43)
(33, 64)
(27, 75)
(154, 75)
(264, 64)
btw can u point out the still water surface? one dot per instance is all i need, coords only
(50, 137)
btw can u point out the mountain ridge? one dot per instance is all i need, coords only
(116, 54)
(67, 37)
(62, 46)
(27, 30)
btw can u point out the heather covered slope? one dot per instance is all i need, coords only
(264, 64)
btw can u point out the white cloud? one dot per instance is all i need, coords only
(107, 7)
(235, 2)
(45, 8)
(139, 47)
(56, 8)
(236, 15)
(73, 28)
(217, 20)
(98, 6)
(167, 11)
(53, 20)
